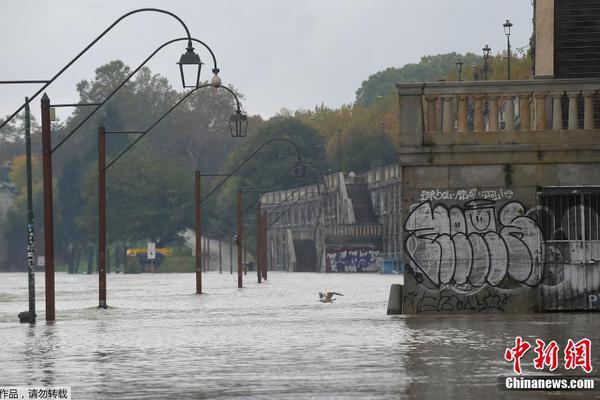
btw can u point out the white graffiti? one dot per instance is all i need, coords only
(473, 246)
(466, 194)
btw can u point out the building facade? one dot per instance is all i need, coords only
(348, 224)
(505, 217)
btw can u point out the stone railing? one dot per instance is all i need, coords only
(495, 106)
(383, 175)
(363, 230)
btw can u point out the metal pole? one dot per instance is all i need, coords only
(339, 153)
(30, 233)
(231, 254)
(508, 48)
(258, 244)
(264, 246)
(48, 209)
(198, 228)
(101, 217)
(220, 256)
(239, 237)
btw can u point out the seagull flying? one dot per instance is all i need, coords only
(328, 297)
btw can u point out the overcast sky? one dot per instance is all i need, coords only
(278, 53)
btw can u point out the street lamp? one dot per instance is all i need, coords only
(102, 168)
(507, 25)
(238, 124)
(82, 52)
(486, 56)
(459, 67)
(298, 172)
(47, 151)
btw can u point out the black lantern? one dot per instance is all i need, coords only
(507, 25)
(238, 124)
(190, 62)
(299, 169)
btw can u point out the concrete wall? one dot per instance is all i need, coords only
(472, 237)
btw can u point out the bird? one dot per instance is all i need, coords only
(328, 297)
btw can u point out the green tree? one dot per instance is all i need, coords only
(429, 68)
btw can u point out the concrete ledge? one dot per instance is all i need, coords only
(395, 300)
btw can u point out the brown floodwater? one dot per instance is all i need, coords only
(274, 340)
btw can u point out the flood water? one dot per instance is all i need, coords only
(273, 340)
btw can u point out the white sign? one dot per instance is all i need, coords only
(41, 261)
(151, 250)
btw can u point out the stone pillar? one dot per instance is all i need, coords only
(544, 38)
(478, 113)
(540, 111)
(432, 125)
(493, 113)
(588, 110)
(557, 121)
(573, 116)
(410, 115)
(446, 114)
(462, 113)
(525, 111)
(509, 114)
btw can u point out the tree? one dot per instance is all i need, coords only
(429, 68)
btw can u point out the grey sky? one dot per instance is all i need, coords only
(278, 53)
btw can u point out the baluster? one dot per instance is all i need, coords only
(446, 114)
(525, 111)
(478, 113)
(588, 110)
(557, 120)
(573, 116)
(540, 111)
(509, 114)
(462, 113)
(493, 113)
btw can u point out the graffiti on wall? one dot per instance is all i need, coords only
(475, 245)
(355, 259)
(448, 301)
(466, 194)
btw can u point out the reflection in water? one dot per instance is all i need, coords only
(274, 340)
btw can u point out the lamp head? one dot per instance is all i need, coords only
(507, 25)
(238, 124)
(299, 169)
(189, 67)
(486, 50)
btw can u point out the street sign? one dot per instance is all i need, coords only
(151, 251)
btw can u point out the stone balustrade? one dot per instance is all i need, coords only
(362, 230)
(498, 106)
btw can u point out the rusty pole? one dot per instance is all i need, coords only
(239, 236)
(101, 217)
(220, 256)
(198, 228)
(48, 209)
(258, 245)
(264, 245)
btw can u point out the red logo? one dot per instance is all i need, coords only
(577, 354)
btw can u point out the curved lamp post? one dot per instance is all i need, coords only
(82, 52)
(47, 151)
(299, 171)
(103, 167)
(261, 220)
